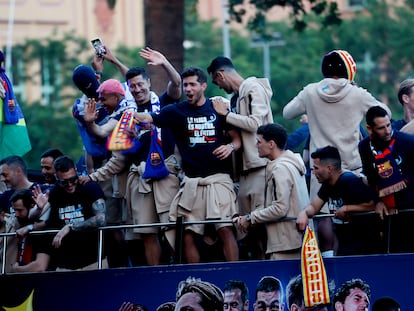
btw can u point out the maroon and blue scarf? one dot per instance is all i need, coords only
(390, 179)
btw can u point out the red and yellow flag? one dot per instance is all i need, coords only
(314, 279)
(120, 139)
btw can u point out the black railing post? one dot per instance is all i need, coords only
(179, 235)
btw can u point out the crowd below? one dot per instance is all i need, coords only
(152, 159)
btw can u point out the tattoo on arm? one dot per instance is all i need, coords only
(96, 221)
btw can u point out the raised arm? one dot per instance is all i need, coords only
(114, 60)
(155, 58)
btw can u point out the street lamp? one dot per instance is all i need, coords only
(259, 41)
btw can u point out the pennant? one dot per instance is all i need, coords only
(120, 138)
(314, 279)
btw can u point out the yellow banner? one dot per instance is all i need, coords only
(315, 284)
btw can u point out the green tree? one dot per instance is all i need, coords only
(326, 10)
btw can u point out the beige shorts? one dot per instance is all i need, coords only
(151, 205)
(224, 209)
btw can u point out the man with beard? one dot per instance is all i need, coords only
(34, 251)
(387, 161)
(77, 210)
(207, 189)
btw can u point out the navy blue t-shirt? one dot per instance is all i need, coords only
(197, 132)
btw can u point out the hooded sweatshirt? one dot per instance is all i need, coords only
(253, 110)
(286, 195)
(335, 109)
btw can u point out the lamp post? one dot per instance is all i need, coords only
(265, 43)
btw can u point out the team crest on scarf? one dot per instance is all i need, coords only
(385, 169)
(155, 158)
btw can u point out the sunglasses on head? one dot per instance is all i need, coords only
(64, 182)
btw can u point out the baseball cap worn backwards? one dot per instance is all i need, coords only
(339, 63)
(111, 86)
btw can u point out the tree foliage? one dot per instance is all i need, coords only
(328, 10)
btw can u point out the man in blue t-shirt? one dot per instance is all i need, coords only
(205, 145)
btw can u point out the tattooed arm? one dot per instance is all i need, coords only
(98, 220)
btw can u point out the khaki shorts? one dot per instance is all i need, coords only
(142, 204)
(225, 209)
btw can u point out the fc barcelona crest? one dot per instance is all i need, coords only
(385, 170)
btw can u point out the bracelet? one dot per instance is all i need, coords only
(232, 146)
(227, 113)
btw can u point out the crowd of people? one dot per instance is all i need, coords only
(212, 159)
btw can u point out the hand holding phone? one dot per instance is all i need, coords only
(98, 46)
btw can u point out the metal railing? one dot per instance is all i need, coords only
(179, 233)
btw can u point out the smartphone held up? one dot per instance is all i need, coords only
(98, 46)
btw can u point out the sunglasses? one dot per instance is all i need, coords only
(64, 182)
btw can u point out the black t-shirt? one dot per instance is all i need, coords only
(79, 248)
(197, 132)
(348, 189)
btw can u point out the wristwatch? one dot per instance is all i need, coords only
(30, 227)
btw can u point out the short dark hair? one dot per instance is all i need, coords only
(375, 112)
(346, 287)
(25, 195)
(237, 284)
(328, 154)
(269, 284)
(14, 162)
(63, 164)
(406, 88)
(52, 153)
(136, 71)
(195, 71)
(275, 132)
(220, 62)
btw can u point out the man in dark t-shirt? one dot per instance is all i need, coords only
(347, 196)
(77, 210)
(207, 191)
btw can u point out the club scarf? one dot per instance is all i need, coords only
(314, 278)
(390, 179)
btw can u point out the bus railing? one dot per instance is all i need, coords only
(179, 226)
